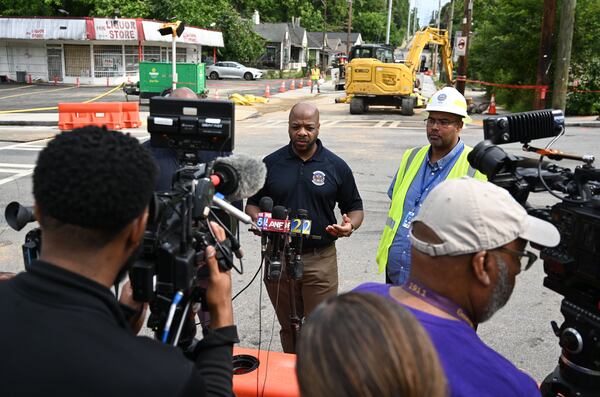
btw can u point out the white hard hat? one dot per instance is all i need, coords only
(448, 100)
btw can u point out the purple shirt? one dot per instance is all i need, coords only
(472, 368)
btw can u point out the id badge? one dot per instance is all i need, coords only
(408, 219)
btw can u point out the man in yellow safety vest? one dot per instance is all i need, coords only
(421, 169)
(315, 76)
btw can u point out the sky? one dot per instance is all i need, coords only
(425, 8)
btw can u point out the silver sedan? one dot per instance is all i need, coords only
(232, 70)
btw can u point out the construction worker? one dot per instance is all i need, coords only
(421, 169)
(315, 75)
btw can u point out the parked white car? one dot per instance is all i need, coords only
(232, 70)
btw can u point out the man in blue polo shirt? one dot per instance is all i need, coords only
(468, 246)
(421, 169)
(305, 175)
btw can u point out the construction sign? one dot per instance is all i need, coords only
(460, 48)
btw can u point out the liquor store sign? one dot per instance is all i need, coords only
(115, 29)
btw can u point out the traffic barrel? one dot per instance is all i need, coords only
(293, 85)
(301, 83)
(492, 108)
(282, 87)
(267, 92)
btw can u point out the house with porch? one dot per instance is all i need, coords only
(286, 44)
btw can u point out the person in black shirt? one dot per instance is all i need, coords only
(305, 175)
(64, 333)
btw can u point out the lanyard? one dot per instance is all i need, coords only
(435, 299)
(424, 186)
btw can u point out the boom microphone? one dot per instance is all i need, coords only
(238, 176)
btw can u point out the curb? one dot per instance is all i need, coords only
(28, 123)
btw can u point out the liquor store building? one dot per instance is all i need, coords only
(96, 51)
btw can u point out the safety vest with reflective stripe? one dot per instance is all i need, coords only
(409, 167)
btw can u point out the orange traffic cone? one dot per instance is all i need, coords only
(492, 108)
(267, 91)
(301, 83)
(293, 85)
(217, 94)
(309, 83)
(282, 87)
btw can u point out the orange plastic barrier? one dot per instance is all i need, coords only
(76, 115)
(131, 115)
(279, 372)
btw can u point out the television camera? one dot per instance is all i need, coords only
(167, 270)
(573, 267)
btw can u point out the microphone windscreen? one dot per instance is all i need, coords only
(279, 212)
(266, 204)
(251, 175)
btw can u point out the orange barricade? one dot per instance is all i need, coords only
(131, 115)
(76, 115)
(279, 373)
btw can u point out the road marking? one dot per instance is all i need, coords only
(19, 171)
(37, 92)
(17, 88)
(32, 144)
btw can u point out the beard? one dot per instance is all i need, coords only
(501, 292)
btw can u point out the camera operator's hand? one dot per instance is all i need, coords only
(126, 298)
(218, 294)
(6, 276)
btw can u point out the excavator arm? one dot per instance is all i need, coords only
(426, 36)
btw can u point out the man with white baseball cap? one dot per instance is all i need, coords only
(468, 246)
(422, 169)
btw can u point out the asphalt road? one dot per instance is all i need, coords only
(42, 96)
(372, 145)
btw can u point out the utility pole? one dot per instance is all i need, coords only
(323, 66)
(463, 60)
(349, 26)
(563, 61)
(545, 53)
(434, 66)
(450, 20)
(389, 22)
(408, 23)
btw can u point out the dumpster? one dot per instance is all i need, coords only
(156, 77)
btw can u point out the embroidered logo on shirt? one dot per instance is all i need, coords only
(318, 178)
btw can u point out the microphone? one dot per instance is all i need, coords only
(238, 176)
(231, 210)
(266, 206)
(297, 266)
(277, 226)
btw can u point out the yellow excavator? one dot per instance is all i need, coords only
(369, 81)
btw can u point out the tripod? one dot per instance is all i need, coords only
(294, 269)
(578, 370)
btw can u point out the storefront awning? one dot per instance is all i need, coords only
(43, 29)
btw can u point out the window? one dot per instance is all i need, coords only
(108, 61)
(77, 60)
(131, 60)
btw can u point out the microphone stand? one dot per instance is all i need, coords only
(295, 269)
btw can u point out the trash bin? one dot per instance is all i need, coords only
(21, 77)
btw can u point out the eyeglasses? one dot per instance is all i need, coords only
(526, 258)
(442, 122)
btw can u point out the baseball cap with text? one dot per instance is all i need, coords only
(469, 216)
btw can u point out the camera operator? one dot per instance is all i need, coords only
(64, 332)
(468, 246)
